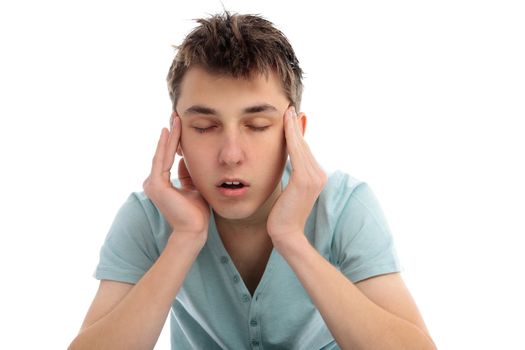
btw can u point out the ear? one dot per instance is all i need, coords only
(302, 119)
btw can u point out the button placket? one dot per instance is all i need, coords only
(245, 298)
(254, 325)
(249, 303)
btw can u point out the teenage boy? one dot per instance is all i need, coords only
(247, 249)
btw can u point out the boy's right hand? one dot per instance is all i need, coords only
(186, 211)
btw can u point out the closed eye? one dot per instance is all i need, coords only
(259, 128)
(208, 129)
(203, 130)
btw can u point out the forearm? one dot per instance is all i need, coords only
(354, 320)
(136, 322)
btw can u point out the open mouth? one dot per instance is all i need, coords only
(232, 185)
(233, 188)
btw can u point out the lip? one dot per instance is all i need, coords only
(233, 192)
(232, 179)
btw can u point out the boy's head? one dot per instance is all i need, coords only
(238, 46)
(231, 83)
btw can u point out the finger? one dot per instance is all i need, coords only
(301, 157)
(292, 134)
(158, 158)
(173, 142)
(184, 176)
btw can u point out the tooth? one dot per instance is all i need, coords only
(236, 183)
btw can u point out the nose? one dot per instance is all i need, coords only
(231, 151)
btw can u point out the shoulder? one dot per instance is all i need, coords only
(140, 205)
(340, 188)
(337, 202)
(345, 205)
(140, 202)
(350, 201)
(339, 185)
(138, 211)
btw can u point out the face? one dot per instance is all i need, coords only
(233, 129)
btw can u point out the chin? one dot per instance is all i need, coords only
(233, 213)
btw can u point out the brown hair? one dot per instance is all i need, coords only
(238, 46)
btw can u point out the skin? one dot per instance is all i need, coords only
(235, 127)
(231, 145)
(377, 313)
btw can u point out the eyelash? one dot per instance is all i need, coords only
(253, 128)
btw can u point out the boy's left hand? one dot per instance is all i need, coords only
(288, 216)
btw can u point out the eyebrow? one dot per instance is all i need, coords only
(198, 109)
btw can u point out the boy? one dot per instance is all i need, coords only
(247, 250)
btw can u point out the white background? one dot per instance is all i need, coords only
(425, 101)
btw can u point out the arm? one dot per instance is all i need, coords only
(377, 313)
(126, 317)
(374, 314)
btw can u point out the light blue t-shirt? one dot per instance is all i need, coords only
(215, 310)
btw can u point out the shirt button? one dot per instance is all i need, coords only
(245, 298)
(236, 278)
(255, 342)
(253, 323)
(224, 259)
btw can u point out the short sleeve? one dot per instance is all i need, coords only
(129, 249)
(363, 245)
